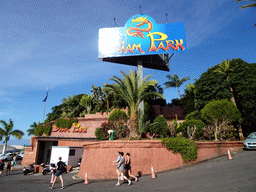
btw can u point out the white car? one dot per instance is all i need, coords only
(3, 157)
(9, 156)
(20, 155)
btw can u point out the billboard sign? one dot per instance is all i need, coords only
(141, 36)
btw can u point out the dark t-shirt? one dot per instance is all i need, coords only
(8, 166)
(1, 166)
(60, 165)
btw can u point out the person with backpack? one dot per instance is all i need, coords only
(61, 168)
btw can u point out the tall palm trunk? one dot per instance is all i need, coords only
(5, 146)
(240, 132)
(178, 91)
(134, 124)
(233, 98)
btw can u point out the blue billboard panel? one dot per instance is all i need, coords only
(142, 36)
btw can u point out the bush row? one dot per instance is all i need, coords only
(45, 128)
(186, 147)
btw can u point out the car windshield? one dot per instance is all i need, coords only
(252, 136)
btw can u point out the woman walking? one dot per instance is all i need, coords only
(120, 166)
(128, 166)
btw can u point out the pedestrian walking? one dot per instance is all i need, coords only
(121, 165)
(13, 162)
(128, 166)
(116, 161)
(8, 168)
(1, 167)
(61, 168)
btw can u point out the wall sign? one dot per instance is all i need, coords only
(76, 129)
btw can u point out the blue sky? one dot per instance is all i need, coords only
(55, 43)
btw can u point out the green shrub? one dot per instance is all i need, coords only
(191, 123)
(149, 113)
(160, 127)
(219, 112)
(39, 130)
(186, 147)
(47, 129)
(101, 132)
(120, 128)
(118, 115)
(74, 120)
(194, 115)
(63, 123)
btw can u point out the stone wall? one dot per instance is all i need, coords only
(30, 153)
(98, 156)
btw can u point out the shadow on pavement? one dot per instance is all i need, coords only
(69, 185)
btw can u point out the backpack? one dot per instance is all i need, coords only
(63, 167)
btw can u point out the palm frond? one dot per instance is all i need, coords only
(4, 123)
(17, 134)
(249, 5)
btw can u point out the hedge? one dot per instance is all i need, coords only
(186, 147)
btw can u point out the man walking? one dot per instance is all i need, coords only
(61, 167)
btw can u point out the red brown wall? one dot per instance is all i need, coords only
(72, 143)
(98, 156)
(29, 156)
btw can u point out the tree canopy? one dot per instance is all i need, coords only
(216, 86)
(219, 112)
(128, 89)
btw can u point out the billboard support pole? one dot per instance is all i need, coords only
(140, 80)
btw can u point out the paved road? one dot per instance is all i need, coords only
(219, 174)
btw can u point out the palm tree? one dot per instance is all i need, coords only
(133, 93)
(7, 131)
(108, 97)
(86, 101)
(191, 87)
(71, 106)
(225, 69)
(249, 5)
(33, 128)
(98, 99)
(175, 82)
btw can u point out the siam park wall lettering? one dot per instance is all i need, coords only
(76, 129)
(142, 36)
